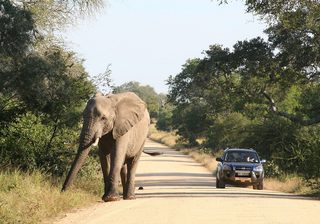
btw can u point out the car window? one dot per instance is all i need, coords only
(241, 156)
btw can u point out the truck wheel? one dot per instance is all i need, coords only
(260, 186)
(217, 183)
(220, 183)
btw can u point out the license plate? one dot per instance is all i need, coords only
(243, 179)
(243, 173)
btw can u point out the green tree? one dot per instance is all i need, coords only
(145, 92)
(16, 37)
(42, 94)
(164, 121)
(293, 33)
(260, 94)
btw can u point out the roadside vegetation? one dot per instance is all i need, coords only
(285, 183)
(32, 197)
(43, 87)
(261, 93)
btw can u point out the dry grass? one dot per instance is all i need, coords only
(204, 159)
(168, 138)
(34, 197)
(290, 184)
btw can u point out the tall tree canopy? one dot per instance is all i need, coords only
(261, 93)
(43, 87)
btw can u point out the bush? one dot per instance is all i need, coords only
(28, 144)
(271, 169)
(289, 147)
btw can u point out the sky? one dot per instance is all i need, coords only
(147, 41)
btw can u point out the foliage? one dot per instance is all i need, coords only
(164, 121)
(16, 33)
(272, 170)
(27, 144)
(16, 38)
(42, 93)
(261, 93)
(43, 89)
(146, 93)
(231, 130)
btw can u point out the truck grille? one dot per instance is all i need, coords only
(243, 173)
(243, 168)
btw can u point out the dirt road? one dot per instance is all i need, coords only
(179, 190)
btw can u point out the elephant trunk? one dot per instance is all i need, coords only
(76, 165)
(83, 151)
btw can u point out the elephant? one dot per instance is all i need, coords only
(118, 124)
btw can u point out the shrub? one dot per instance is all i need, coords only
(271, 169)
(29, 144)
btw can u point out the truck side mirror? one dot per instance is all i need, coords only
(219, 159)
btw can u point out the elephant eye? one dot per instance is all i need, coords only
(103, 118)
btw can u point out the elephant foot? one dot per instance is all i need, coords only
(109, 198)
(131, 197)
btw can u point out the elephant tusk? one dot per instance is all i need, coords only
(96, 142)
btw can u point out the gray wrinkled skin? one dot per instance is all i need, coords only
(119, 124)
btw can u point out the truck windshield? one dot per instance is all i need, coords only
(241, 157)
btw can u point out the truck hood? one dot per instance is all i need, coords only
(241, 166)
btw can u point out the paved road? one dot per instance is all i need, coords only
(179, 190)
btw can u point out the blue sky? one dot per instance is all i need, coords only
(147, 41)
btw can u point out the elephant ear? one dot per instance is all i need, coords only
(129, 111)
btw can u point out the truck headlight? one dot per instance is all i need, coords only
(227, 167)
(258, 168)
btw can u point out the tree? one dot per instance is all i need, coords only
(56, 14)
(146, 93)
(16, 37)
(42, 93)
(261, 93)
(164, 121)
(294, 31)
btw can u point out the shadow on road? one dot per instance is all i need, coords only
(218, 193)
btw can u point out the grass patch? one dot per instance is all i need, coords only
(288, 184)
(34, 197)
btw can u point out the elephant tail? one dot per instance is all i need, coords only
(153, 153)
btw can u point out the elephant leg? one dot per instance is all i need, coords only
(117, 161)
(124, 180)
(132, 168)
(105, 166)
